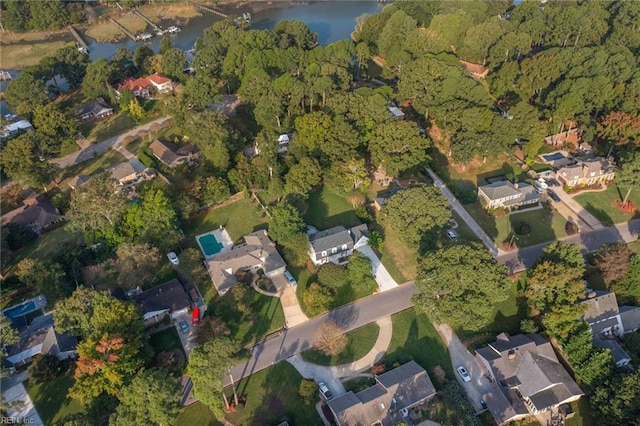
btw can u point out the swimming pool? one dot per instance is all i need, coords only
(25, 308)
(209, 244)
(553, 157)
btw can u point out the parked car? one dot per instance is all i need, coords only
(184, 327)
(452, 234)
(553, 196)
(463, 373)
(173, 258)
(324, 391)
(195, 316)
(292, 281)
(483, 404)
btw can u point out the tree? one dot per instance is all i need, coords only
(137, 264)
(210, 328)
(613, 261)
(460, 284)
(48, 15)
(333, 276)
(415, 211)
(46, 277)
(629, 175)
(398, 146)
(210, 131)
(317, 297)
(26, 92)
(376, 240)
(173, 61)
(153, 220)
(215, 190)
(136, 111)
(8, 334)
(165, 45)
(45, 368)
(330, 338)
(285, 223)
(296, 249)
(207, 366)
(302, 177)
(96, 82)
(141, 58)
(618, 403)
(359, 270)
(351, 175)
(152, 397)
(308, 391)
(54, 123)
(24, 160)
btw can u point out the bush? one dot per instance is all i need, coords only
(45, 368)
(308, 390)
(147, 160)
(522, 229)
(528, 326)
(363, 214)
(465, 196)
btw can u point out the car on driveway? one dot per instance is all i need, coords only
(553, 195)
(292, 281)
(463, 373)
(483, 404)
(184, 327)
(324, 391)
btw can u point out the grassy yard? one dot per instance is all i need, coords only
(197, 414)
(165, 340)
(359, 343)
(19, 56)
(415, 338)
(602, 204)
(272, 397)
(583, 416)
(463, 229)
(400, 260)
(327, 209)
(240, 218)
(121, 122)
(634, 246)
(269, 317)
(94, 166)
(51, 399)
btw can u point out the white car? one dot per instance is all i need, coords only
(324, 391)
(173, 258)
(463, 373)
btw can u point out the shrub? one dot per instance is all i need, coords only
(146, 160)
(363, 214)
(528, 326)
(308, 390)
(330, 338)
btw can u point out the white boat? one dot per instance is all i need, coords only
(173, 30)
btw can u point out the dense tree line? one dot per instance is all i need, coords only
(20, 16)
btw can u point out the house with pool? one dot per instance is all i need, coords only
(256, 252)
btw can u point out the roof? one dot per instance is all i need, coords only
(284, 138)
(499, 190)
(159, 79)
(169, 296)
(380, 199)
(630, 318)
(619, 354)
(603, 306)
(18, 125)
(529, 195)
(407, 385)
(397, 112)
(127, 168)
(336, 237)
(168, 152)
(599, 166)
(41, 213)
(570, 136)
(478, 70)
(504, 404)
(40, 338)
(95, 107)
(134, 84)
(256, 251)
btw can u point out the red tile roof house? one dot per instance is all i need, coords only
(141, 87)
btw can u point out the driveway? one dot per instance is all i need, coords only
(21, 408)
(577, 209)
(382, 276)
(566, 212)
(318, 373)
(293, 314)
(479, 385)
(187, 339)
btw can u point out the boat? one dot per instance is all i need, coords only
(145, 36)
(173, 30)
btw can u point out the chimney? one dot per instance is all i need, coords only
(512, 354)
(515, 185)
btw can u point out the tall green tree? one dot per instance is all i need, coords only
(97, 80)
(26, 92)
(24, 159)
(173, 61)
(53, 122)
(137, 264)
(460, 284)
(302, 177)
(285, 223)
(398, 146)
(46, 277)
(629, 175)
(165, 45)
(153, 220)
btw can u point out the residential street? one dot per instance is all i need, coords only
(300, 338)
(102, 147)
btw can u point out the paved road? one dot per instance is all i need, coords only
(102, 147)
(457, 207)
(524, 258)
(300, 338)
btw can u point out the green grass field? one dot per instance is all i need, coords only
(51, 399)
(359, 343)
(602, 204)
(197, 414)
(327, 209)
(269, 317)
(94, 166)
(165, 340)
(415, 338)
(400, 260)
(272, 397)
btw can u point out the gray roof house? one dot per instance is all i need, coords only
(168, 298)
(128, 172)
(40, 338)
(95, 109)
(172, 155)
(528, 375)
(257, 252)
(403, 387)
(608, 322)
(507, 195)
(336, 244)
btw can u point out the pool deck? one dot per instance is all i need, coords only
(222, 236)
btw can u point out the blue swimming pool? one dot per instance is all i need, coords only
(21, 310)
(553, 157)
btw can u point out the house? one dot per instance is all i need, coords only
(336, 244)
(587, 172)
(379, 201)
(171, 155)
(13, 129)
(128, 172)
(557, 159)
(396, 113)
(161, 83)
(608, 322)
(36, 214)
(477, 71)
(141, 87)
(571, 137)
(168, 298)
(507, 195)
(380, 176)
(40, 338)
(396, 390)
(257, 252)
(528, 377)
(283, 143)
(96, 109)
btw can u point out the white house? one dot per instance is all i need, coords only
(335, 244)
(507, 195)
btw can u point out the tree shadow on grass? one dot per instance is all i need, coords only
(601, 214)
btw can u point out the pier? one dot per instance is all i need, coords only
(82, 45)
(134, 37)
(210, 10)
(148, 21)
(5, 76)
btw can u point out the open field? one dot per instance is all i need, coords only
(197, 414)
(51, 399)
(602, 204)
(327, 209)
(359, 343)
(107, 31)
(19, 56)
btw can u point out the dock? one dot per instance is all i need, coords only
(82, 45)
(134, 37)
(148, 21)
(5, 76)
(210, 10)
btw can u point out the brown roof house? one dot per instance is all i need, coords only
(168, 298)
(507, 195)
(129, 172)
(529, 377)
(37, 214)
(171, 155)
(257, 252)
(587, 172)
(386, 402)
(608, 322)
(95, 109)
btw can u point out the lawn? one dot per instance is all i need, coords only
(19, 56)
(239, 218)
(98, 131)
(415, 338)
(602, 204)
(197, 414)
(327, 209)
(400, 260)
(51, 399)
(583, 415)
(272, 397)
(165, 340)
(96, 165)
(634, 246)
(359, 343)
(305, 278)
(463, 229)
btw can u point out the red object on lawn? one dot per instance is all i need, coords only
(195, 316)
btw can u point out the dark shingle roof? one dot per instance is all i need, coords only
(92, 107)
(170, 295)
(336, 237)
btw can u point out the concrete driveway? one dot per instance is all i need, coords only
(577, 209)
(21, 406)
(293, 314)
(187, 339)
(318, 373)
(479, 385)
(382, 276)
